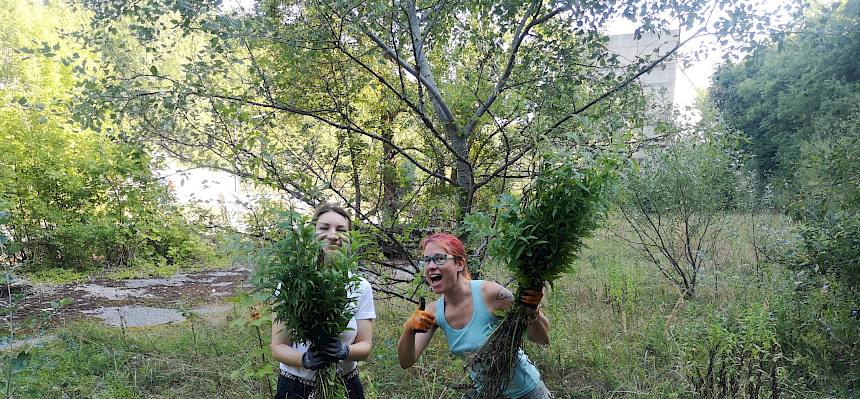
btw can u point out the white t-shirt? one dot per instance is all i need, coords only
(363, 301)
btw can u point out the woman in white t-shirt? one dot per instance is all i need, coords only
(299, 361)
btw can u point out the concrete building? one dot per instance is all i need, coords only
(659, 84)
(660, 81)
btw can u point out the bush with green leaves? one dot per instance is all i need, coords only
(676, 199)
(827, 204)
(77, 199)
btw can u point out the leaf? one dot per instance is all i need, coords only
(153, 70)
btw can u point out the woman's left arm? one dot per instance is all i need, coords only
(360, 347)
(365, 313)
(538, 330)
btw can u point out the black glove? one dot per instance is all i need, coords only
(314, 360)
(334, 349)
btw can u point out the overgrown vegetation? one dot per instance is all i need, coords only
(798, 101)
(617, 329)
(413, 129)
(77, 201)
(676, 200)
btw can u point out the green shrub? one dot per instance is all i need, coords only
(675, 202)
(739, 354)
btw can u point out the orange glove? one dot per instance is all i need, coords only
(420, 321)
(531, 297)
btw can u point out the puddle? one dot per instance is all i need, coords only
(6, 345)
(145, 316)
(150, 282)
(112, 293)
(136, 316)
(225, 273)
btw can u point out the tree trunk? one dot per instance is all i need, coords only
(390, 181)
(457, 138)
(464, 174)
(356, 181)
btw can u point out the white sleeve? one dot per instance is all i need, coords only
(364, 309)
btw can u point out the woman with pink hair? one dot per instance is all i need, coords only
(465, 311)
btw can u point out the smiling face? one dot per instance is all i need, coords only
(441, 277)
(332, 229)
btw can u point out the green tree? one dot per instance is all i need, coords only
(782, 95)
(464, 93)
(675, 200)
(75, 198)
(413, 113)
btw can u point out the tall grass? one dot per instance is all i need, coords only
(617, 330)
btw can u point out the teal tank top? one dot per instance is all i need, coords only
(466, 341)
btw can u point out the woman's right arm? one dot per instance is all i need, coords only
(282, 349)
(411, 342)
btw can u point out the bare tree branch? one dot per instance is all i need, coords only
(519, 35)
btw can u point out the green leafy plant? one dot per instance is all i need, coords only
(538, 238)
(311, 291)
(675, 202)
(735, 353)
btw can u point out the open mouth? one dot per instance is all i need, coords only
(434, 278)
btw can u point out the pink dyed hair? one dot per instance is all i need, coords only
(452, 245)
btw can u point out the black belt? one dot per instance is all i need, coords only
(312, 383)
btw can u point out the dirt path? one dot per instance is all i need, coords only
(137, 302)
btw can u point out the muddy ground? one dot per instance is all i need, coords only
(135, 302)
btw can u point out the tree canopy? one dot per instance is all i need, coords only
(376, 102)
(74, 198)
(799, 90)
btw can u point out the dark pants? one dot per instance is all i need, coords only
(289, 388)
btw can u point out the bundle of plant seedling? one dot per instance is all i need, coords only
(538, 238)
(311, 290)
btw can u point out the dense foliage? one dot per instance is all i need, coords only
(796, 92)
(76, 199)
(675, 200)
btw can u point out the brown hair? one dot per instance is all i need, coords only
(326, 208)
(453, 246)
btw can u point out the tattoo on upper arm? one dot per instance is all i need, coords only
(503, 294)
